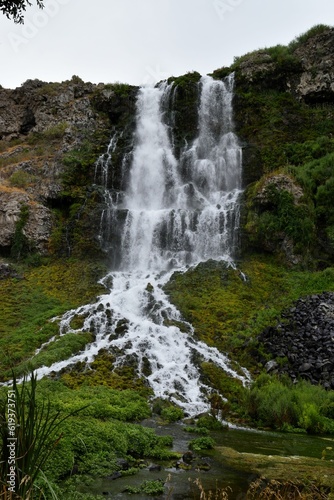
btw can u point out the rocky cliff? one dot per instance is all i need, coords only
(52, 133)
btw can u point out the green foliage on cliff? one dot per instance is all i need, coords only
(283, 130)
(278, 221)
(304, 37)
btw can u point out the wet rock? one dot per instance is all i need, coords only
(305, 367)
(114, 475)
(154, 468)
(7, 271)
(123, 464)
(122, 326)
(188, 457)
(271, 365)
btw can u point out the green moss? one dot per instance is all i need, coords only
(202, 443)
(226, 307)
(172, 414)
(103, 373)
(60, 348)
(28, 304)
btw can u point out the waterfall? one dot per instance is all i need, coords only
(173, 213)
(173, 220)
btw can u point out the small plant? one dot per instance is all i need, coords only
(172, 414)
(20, 179)
(209, 422)
(196, 430)
(202, 443)
(148, 487)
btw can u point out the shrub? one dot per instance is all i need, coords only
(209, 422)
(20, 179)
(279, 404)
(172, 414)
(301, 39)
(202, 443)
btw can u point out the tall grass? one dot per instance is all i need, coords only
(37, 434)
(281, 405)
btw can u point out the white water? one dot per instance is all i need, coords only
(172, 220)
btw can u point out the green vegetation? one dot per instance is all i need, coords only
(283, 132)
(62, 446)
(304, 37)
(28, 305)
(29, 434)
(172, 414)
(20, 179)
(282, 137)
(283, 406)
(202, 443)
(148, 487)
(317, 178)
(229, 308)
(196, 430)
(184, 80)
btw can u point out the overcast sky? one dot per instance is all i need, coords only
(143, 41)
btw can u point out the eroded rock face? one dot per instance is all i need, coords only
(279, 182)
(40, 124)
(316, 83)
(39, 223)
(37, 106)
(10, 205)
(309, 74)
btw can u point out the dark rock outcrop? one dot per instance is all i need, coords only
(302, 345)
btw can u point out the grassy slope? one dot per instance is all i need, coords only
(29, 303)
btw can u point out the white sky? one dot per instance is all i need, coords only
(143, 41)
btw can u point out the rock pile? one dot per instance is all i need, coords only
(302, 345)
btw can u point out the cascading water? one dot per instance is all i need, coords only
(175, 213)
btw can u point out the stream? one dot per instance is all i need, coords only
(180, 484)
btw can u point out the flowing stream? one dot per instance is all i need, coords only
(173, 213)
